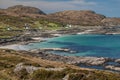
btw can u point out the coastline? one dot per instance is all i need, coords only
(87, 61)
(39, 36)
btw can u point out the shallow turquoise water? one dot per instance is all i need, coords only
(85, 45)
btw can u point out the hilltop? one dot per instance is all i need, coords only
(83, 17)
(22, 11)
(25, 9)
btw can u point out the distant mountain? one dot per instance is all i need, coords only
(83, 17)
(74, 17)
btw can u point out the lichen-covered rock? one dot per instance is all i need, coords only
(88, 60)
(21, 66)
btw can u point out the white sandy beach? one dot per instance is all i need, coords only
(14, 47)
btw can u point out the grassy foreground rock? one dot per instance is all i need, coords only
(10, 58)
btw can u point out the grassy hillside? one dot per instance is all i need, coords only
(18, 22)
(17, 25)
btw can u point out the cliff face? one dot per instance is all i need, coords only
(78, 17)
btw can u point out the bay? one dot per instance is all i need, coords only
(85, 45)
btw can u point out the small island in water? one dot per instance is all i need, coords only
(66, 45)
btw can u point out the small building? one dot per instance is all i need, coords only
(8, 28)
(40, 27)
(69, 26)
(27, 26)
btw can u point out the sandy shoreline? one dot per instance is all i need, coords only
(14, 47)
(19, 45)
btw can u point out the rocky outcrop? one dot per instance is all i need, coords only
(88, 60)
(70, 59)
(21, 66)
(31, 69)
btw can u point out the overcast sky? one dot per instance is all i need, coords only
(110, 8)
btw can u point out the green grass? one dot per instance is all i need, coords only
(17, 24)
(74, 74)
(9, 34)
(47, 75)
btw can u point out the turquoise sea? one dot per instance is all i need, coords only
(85, 45)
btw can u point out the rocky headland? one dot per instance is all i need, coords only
(103, 62)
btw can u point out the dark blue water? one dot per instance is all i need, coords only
(85, 45)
